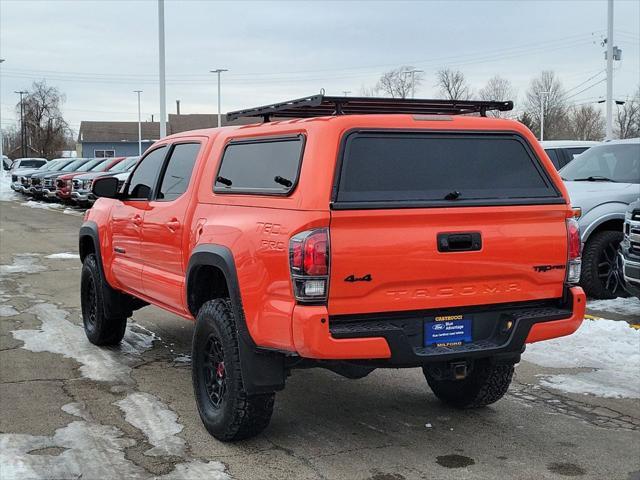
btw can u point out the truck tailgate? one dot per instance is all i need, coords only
(388, 260)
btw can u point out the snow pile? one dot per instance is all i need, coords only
(610, 349)
(8, 311)
(156, 421)
(6, 194)
(64, 256)
(623, 306)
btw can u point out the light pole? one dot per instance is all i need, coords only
(23, 145)
(139, 125)
(219, 71)
(346, 92)
(542, 97)
(413, 80)
(163, 99)
(609, 106)
(1, 137)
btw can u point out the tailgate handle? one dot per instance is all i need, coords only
(459, 242)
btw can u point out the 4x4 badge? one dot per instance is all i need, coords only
(353, 278)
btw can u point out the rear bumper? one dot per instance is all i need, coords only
(397, 339)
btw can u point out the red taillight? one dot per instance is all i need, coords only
(574, 263)
(575, 243)
(315, 253)
(309, 262)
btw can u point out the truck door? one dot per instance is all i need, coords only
(164, 230)
(127, 216)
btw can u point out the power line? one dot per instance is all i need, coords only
(586, 81)
(588, 88)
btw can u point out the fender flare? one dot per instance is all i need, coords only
(116, 302)
(90, 229)
(263, 371)
(593, 225)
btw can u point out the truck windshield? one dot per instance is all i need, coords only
(606, 163)
(440, 167)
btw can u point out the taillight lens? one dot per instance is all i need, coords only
(309, 263)
(574, 263)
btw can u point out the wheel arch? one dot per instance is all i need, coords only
(262, 370)
(607, 221)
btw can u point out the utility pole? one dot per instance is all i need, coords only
(163, 99)
(609, 109)
(542, 98)
(23, 143)
(1, 136)
(139, 125)
(219, 71)
(413, 80)
(346, 92)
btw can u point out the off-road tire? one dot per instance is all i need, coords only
(594, 286)
(101, 326)
(238, 415)
(485, 384)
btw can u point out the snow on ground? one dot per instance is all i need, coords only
(6, 194)
(624, 306)
(59, 335)
(84, 449)
(609, 349)
(7, 311)
(149, 415)
(64, 256)
(23, 263)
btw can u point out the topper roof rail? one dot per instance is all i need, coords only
(321, 105)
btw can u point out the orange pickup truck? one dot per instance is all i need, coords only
(363, 233)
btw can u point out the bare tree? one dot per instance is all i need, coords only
(397, 83)
(546, 90)
(46, 130)
(497, 89)
(586, 123)
(628, 117)
(453, 85)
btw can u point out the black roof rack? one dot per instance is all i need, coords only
(321, 105)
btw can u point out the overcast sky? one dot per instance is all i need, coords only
(98, 52)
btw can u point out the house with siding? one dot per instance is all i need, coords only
(120, 139)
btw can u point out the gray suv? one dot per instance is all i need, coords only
(602, 182)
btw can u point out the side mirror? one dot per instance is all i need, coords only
(105, 187)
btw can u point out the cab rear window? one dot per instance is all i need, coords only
(411, 169)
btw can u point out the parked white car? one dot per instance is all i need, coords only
(561, 152)
(31, 162)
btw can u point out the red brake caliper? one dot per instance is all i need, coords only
(220, 370)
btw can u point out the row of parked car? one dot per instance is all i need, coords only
(66, 180)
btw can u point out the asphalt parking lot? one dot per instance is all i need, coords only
(72, 410)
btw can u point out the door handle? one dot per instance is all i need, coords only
(173, 224)
(459, 242)
(137, 220)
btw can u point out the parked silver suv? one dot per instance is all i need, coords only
(602, 182)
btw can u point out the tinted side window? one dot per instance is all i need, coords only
(575, 151)
(265, 166)
(553, 155)
(178, 172)
(144, 177)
